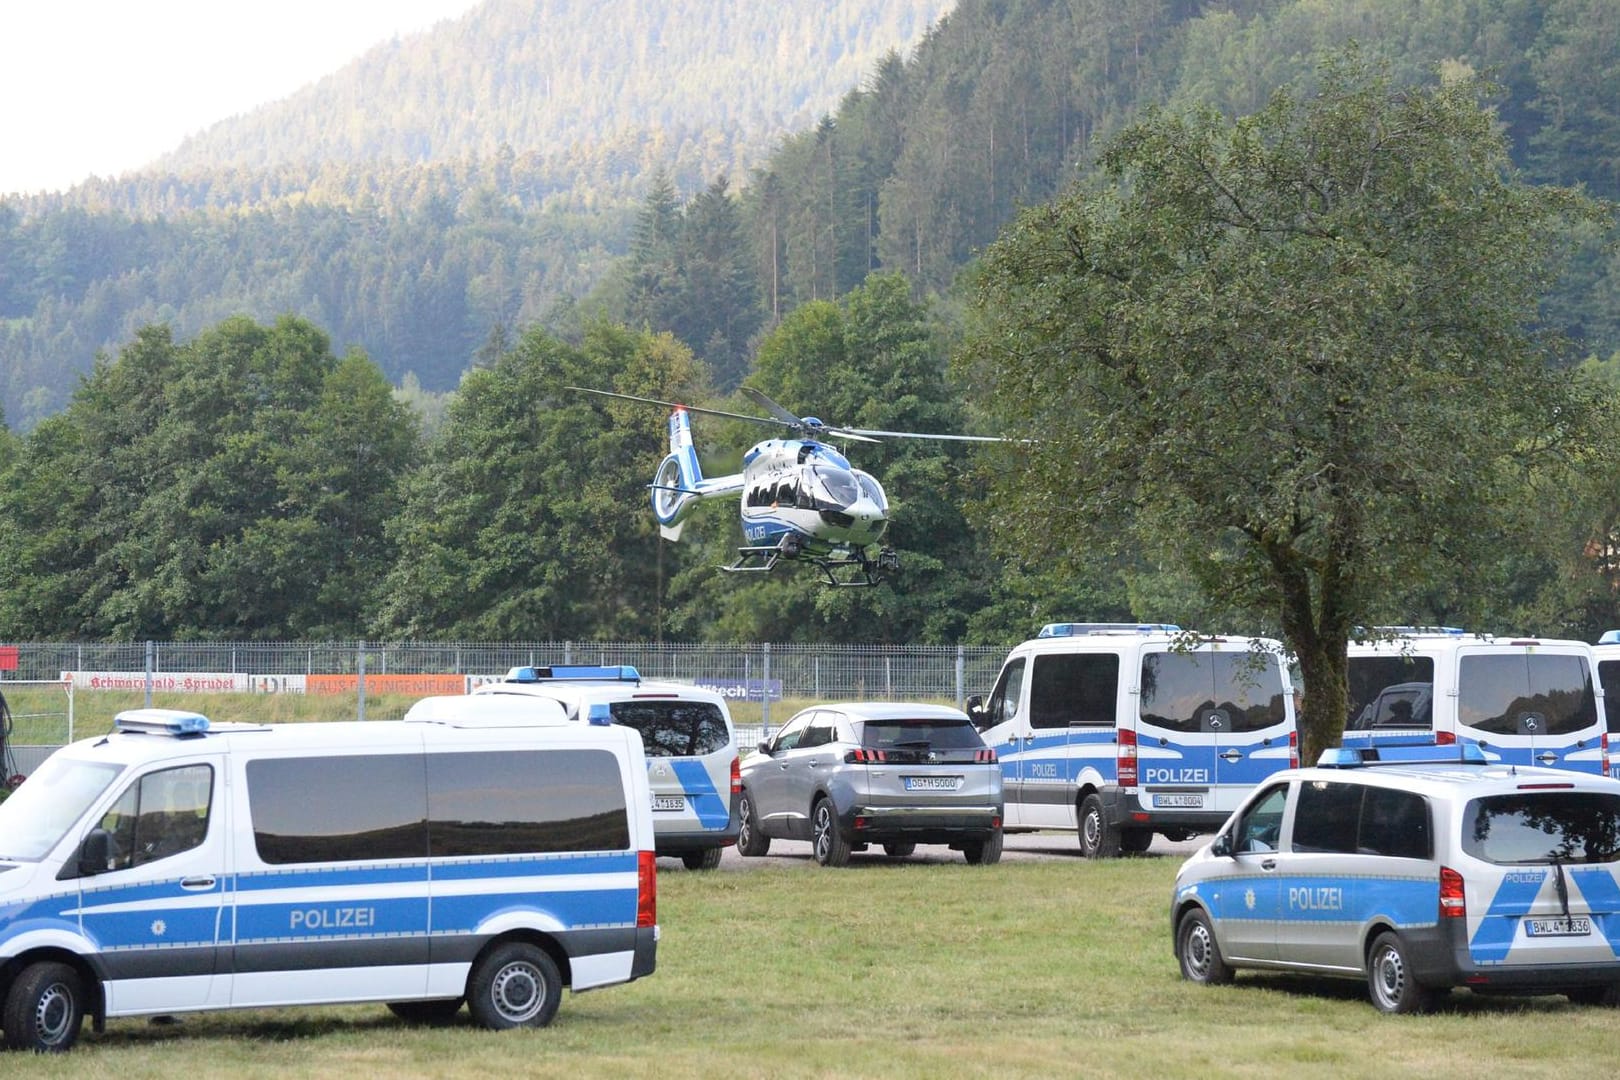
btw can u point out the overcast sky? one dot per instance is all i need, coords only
(100, 87)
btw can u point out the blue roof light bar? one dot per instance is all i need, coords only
(174, 722)
(1355, 757)
(575, 672)
(1079, 629)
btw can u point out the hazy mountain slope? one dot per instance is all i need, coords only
(565, 75)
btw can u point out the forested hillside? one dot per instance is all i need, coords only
(442, 201)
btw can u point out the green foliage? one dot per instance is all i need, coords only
(1289, 355)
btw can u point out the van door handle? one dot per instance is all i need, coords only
(1268, 864)
(197, 884)
(1547, 757)
(1230, 756)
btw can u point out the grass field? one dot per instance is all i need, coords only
(1058, 968)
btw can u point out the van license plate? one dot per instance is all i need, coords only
(933, 783)
(1574, 926)
(669, 802)
(1184, 802)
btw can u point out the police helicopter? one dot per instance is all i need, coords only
(800, 497)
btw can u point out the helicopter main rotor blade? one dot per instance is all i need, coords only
(678, 405)
(920, 435)
(781, 414)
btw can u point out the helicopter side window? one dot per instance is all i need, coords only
(872, 489)
(788, 494)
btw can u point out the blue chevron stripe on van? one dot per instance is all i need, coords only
(713, 810)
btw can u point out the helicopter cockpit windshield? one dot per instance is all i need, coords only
(833, 489)
(872, 489)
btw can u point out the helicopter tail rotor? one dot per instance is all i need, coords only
(676, 484)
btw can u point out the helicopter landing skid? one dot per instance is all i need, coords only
(866, 571)
(757, 560)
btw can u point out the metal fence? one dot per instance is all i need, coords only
(750, 672)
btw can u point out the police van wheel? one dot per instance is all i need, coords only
(440, 1011)
(750, 841)
(899, 851)
(1098, 838)
(1200, 957)
(1595, 995)
(985, 852)
(707, 859)
(515, 985)
(1390, 982)
(1135, 841)
(45, 1009)
(826, 842)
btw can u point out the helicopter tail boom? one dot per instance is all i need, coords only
(678, 483)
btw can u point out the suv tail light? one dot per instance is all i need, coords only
(736, 776)
(987, 756)
(865, 757)
(1452, 904)
(1126, 761)
(646, 889)
(1293, 749)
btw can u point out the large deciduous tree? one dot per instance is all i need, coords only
(1292, 353)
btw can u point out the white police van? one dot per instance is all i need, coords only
(1416, 875)
(486, 852)
(1124, 730)
(692, 757)
(1607, 654)
(1521, 700)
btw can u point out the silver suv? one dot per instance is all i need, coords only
(850, 775)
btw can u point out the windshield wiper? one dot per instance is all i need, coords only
(1563, 887)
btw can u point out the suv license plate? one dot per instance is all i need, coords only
(1574, 926)
(669, 802)
(1186, 802)
(933, 783)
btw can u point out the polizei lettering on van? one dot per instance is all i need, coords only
(1175, 776)
(332, 918)
(1316, 898)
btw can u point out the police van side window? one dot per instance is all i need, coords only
(1004, 701)
(1350, 819)
(1391, 692)
(1261, 826)
(525, 802)
(1394, 823)
(674, 728)
(163, 813)
(1518, 694)
(1609, 675)
(352, 808)
(1073, 688)
(1327, 817)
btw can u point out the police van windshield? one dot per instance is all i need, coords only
(1526, 694)
(674, 728)
(1540, 827)
(40, 812)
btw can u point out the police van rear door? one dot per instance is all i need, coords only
(1531, 705)
(690, 750)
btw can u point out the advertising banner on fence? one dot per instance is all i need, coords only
(166, 682)
(743, 689)
(386, 684)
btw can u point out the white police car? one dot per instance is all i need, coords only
(1417, 875)
(692, 760)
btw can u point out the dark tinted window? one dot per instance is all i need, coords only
(1327, 817)
(512, 803)
(1212, 691)
(921, 734)
(1544, 827)
(365, 807)
(1074, 688)
(1526, 694)
(1249, 690)
(674, 728)
(1391, 692)
(1609, 676)
(1394, 823)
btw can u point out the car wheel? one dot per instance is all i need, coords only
(1135, 841)
(1390, 981)
(1197, 951)
(826, 842)
(514, 985)
(986, 852)
(1595, 995)
(440, 1011)
(899, 851)
(750, 840)
(45, 1009)
(707, 859)
(1098, 839)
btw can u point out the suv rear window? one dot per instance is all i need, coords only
(674, 728)
(1541, 827)
(920, 734)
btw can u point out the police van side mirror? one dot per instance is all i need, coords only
(1221, 845)
(975, 711)
(95, 853)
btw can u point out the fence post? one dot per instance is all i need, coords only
(765, 693)
(961, 670)
(151, 650)
(360, 670)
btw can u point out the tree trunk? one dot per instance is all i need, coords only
(1325, 672)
